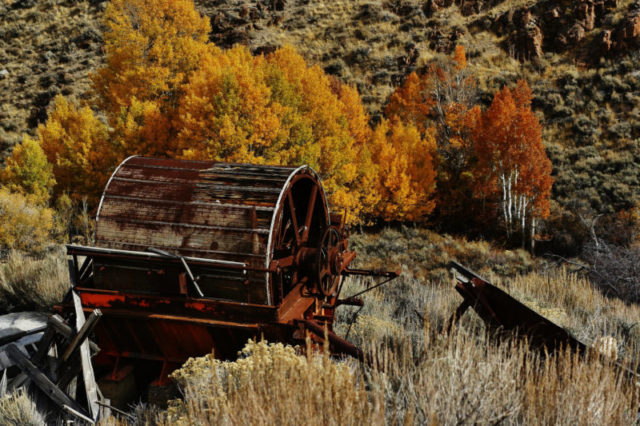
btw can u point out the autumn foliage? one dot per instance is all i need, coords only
(512, 163)
(77, 144)
(495, 157)
(27, 171)
(406, 176)
(442, 102)
(152, 47)
(165, 90)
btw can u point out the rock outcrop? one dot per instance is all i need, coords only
(560, 26)
(628, 35)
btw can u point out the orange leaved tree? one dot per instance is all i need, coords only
(443, 101)
(512, 160)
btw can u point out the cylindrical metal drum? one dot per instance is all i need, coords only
(252, 214)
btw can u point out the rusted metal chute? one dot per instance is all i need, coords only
(191, 256)
(505, 314)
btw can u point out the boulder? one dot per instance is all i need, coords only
(529, 36)
(433, 6)
(469, 7)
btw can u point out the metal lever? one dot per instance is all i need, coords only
(184, 263)
(369, 273)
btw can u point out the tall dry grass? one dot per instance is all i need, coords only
(19, 410)
(426, 254)
(273, 384)
(33, 283)
(425, 376)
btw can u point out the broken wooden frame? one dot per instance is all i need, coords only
(60, 369)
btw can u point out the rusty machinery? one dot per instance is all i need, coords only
(195, 256)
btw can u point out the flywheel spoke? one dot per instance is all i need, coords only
(310, 208)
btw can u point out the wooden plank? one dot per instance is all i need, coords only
(41, 380)
(19, 324)
(62, 328)
(168, 235)
(195, 214)
(3, 384)
(43, 348)
(78, 414)
(68, 373)
(85, 358)
(72, 272)
(82, 335)
(45, 342)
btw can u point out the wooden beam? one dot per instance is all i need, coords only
(78, 414)
(67, 332)
(41, 380)
(83, 334)
(85, 358)
(3, 384)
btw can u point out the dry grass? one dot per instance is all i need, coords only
(19, 410)
(426, 254)
(273, 380)
(427, 376)
(28, 283)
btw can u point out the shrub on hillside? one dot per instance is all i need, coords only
(24, 223)
(28, 283)
(615, 269)
(275, 381)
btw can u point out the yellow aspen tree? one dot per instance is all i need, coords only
(279, 110)
(152, 47)
(406, 174)
(226, 112)
(443, 99)
(76, 143)
(28, 171)
(335, 131)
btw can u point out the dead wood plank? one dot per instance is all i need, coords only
(83, 334)
(45, 343)
(85, 358)
(19, 335)
(41, 380)
(78, 414)
(3, 384)
(72, 272)
(67, 332)
(55, 325)
(68, 373)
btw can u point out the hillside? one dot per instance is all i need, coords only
(579, 57)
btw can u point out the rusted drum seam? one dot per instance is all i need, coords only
(186, 225)
(106, 187)
(192, 203)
